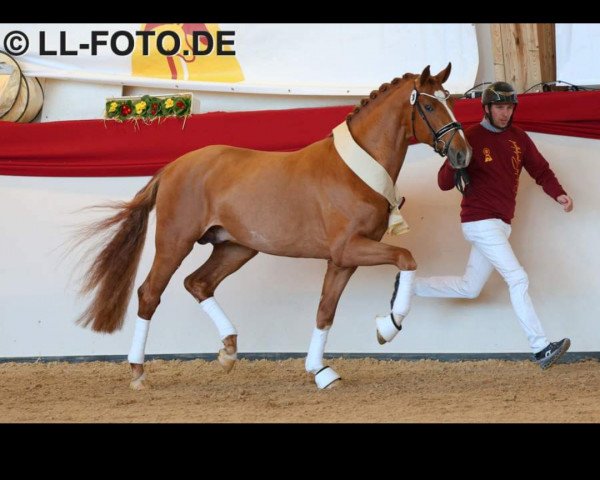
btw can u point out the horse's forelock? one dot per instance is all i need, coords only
(431, 85)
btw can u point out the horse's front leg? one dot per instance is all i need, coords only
(364, 251)
(335, 281)
(389, 325)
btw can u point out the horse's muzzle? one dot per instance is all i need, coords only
(459, 158)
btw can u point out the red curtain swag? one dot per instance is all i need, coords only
(97, 148)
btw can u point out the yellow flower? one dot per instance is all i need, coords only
(113, 107)
(140, 107)
(169, 103)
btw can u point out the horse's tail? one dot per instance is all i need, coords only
(113, 271)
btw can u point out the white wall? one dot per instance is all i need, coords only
(72, 100)
(273, 300)
(205, 101)
(577, 51)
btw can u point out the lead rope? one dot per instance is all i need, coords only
(461, 180)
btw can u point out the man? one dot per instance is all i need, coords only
(500, 151)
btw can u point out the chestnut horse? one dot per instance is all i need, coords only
(306, 204)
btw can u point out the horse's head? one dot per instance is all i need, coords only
(433, 121)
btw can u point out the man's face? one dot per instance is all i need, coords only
(501, 113)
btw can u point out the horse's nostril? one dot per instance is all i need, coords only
(460, 159)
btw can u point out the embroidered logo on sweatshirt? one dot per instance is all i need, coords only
(487, 155)
(516, 163)
(516, 158)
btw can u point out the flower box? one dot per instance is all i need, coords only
(148, 107)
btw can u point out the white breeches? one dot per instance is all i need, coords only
(490, 250)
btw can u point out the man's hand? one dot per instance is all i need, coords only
(566, 202)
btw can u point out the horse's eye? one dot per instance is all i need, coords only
(428, 107)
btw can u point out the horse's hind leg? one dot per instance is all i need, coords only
(335, 281)
(169, 255)
(225, 259)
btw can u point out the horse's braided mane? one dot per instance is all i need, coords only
(375, 93)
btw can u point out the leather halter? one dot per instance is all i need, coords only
(437, 135)
(461, 177)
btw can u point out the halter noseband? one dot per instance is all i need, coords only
(437, 136)
(461, 177)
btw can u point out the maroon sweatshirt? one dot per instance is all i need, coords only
(497, 161)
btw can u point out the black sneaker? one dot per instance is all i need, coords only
(549, 355)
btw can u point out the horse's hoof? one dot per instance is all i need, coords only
(139, 383)
(333, 384)
(327, 377)
(387, 328)
(227, 360)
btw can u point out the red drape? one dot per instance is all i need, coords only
(99, 148)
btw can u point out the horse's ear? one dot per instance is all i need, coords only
(444, 74)
(425, 74)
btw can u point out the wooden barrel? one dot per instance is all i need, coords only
(21, 97)
(10, 83)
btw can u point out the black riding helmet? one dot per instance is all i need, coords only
(499, 92)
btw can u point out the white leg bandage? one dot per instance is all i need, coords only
(388, 328)
(403, 295)
(138, 344)
(217, 315)
(314, 358)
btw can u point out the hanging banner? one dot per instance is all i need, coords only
(204, 53)
(300, 59)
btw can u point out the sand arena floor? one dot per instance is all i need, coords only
(281, 391)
